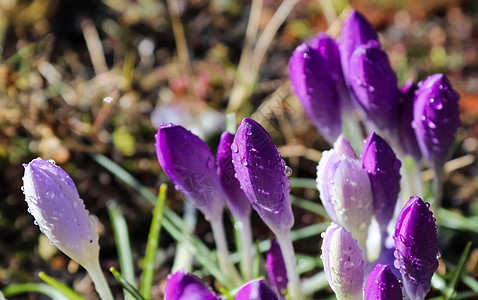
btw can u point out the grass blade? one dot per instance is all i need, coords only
(120, 230)
(126, 285)
(457, 273)
(60, 287)
(152, 244)
(303, 183)
(41, 288)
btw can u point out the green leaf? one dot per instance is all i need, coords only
(457, 273)
(303, 183)
(61, 287)
(120, 230)
(311, 206)
(41, 288)
(126, 285)
(152, 245)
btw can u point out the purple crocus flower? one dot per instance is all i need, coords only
(276, 269)
(416, 247)
(189, 163)
(315, 87)
(406, 133)
(236, 199)
(375, 85)
(54, 202)
(255, 290)
(357, 31)
(383, 169)
(343, 262)
(436, 118)
(183, 286)
(382, 284)
(261, 173)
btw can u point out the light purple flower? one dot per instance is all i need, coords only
(416, 247)
(276, 269)
(383, 169)
(375, 85)
(382, 284)
(261, 173)
(236, 199)
(183, 286)
(54, 202)
(406, 133)
(436, 118)
(343, 263)
(255, 290)
(189, 163)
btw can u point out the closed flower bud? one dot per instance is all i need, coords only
(182, 286)
(54, 202)
(189, 163)
(255, 290)
(416, 247)
(382, 284)
(383, 169)
(343, 263)
(236, 199)
(261, 173)
(436, 118)
(357, 31)
(316, 89)
(406, 133)
(276, 269)
(375, 85)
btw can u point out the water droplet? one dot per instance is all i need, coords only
(35, 222)
(306, 55)
(288, 171)
(432, 125)
(248, 131)
(50, 194)
(234, 147)
(371, 89)
(51, 161)
(210, 163)
(107, 99)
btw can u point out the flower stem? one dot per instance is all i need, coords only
(437, 187)
(285, 243)
(223, 255)
(99, 280)
(243, 225)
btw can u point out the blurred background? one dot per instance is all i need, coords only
(85, 76)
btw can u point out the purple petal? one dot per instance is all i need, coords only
(183, 286)
(383, 169)
(261, 173)
(276, 269)
(342, 147)
(381, 284)
(416, 247)
(189, 163)
(59, 212)
(236, 199)
(406, 133)
(436, 117)
(375, 85)
(343, 263)
(255, 290)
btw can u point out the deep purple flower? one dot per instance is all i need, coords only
(416, 247)
(189, 163)
(54, 202)
(261, 173)
(375, 85)
(357, 31)
(406, 133)
(343, 262)
(276, 269)
(315, 87)
(381, 284)
(383, 169)
(255, 290)
(183, 286)
(236, 199)
(436, 118)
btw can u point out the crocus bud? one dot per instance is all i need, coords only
(381, 284)
(346, 193)
(416, 247)
(375, 85)
(182, 286)
(255, 290)
(54, 202)
(276, 269)
(261, 173)
(406, 133)
(343, 263)
(316, 90)
(383, 169)
(356, 31)
(189, 163)
(342, 147)
(436, 117)
(236, 199)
